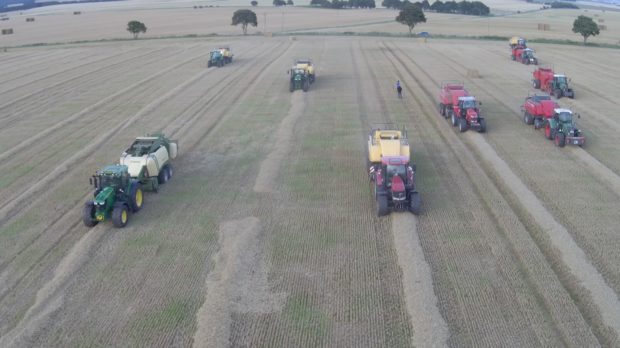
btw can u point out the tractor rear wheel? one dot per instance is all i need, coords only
(382, 205)
(88, 214)
(120, 215)
(163, 176)
(453, 119)
(483, 125)
(560, 139)
(462, 125)
(536, 84)
(415, 204)
(135, 196)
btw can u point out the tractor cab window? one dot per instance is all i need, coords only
(565, 116)
(468, 104)
(399, 170)
(561, 81)
(107, 180)
(528, 54)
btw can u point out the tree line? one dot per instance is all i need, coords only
(475, 8)
(338, 4)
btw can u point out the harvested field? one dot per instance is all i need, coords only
(267, 235)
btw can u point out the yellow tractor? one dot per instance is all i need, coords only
(390, 171)
(306, 65)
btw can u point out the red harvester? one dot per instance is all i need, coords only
(537, 108)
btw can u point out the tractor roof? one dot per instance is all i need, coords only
(395, 160)
(114, 169)
(540, 97)
(468, 98)
(559, 75)
(561, 110)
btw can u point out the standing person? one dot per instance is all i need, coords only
(399, 89)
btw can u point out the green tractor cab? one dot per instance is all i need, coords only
(299, 80)
(559, 87)
(116, 194)
(216, 58)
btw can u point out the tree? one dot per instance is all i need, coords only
(411, 15)
(586, 27)
(290, 2)
(279, 3)
(244, 17)
(254, 3)
(135, 28)
(426, 5)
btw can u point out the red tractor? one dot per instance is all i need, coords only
(462, 109)
(537, 108)
(389, 169)
(524, 55)
(556, 84)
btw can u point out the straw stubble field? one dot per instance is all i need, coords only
(267, 234)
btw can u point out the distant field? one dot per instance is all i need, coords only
(267, 234)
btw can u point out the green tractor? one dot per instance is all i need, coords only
(216, 58)
(116, 194)
(562, 129)
(299, 79)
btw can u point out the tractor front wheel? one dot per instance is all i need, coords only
(163, 176)
(120, 215)
(483, 125)
(382, 205)
(560, 139)
(135, 196)
(415, 205)
(462, 125)
(88, 214)
(526, 117)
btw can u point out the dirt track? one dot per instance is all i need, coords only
(503, 252)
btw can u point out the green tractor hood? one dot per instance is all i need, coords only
(101, 202)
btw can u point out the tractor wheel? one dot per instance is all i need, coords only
(208, 64)
(571, 95)
(536, 84)
(415, 204)
(442, 110)
(306, 86)
(557, 93)
(88, 214)
(537, 123)
(483, 125)
(535, 61)
(169, 172)
(136, 197)
(382, 205)
(453, 118)
(462, 125)
(163, 175)
(560, 139)
(120, 215)
(526, 117)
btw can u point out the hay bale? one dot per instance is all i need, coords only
(546, 27)
(602, 27)
(268, 34)
(7, 31)
(77, 12)
(30, 19)
(293, 38)
(473, 73)
(4, 18)
(601, 20)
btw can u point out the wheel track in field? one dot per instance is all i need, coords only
(50, 95)
(85, 247)
(572, 256)
(28, 64)
(598, 169)
(33, 95)
(173, 132)
(417, 282)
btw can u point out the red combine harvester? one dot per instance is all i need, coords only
(462, 108)
(555, 84)
(537, 108)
